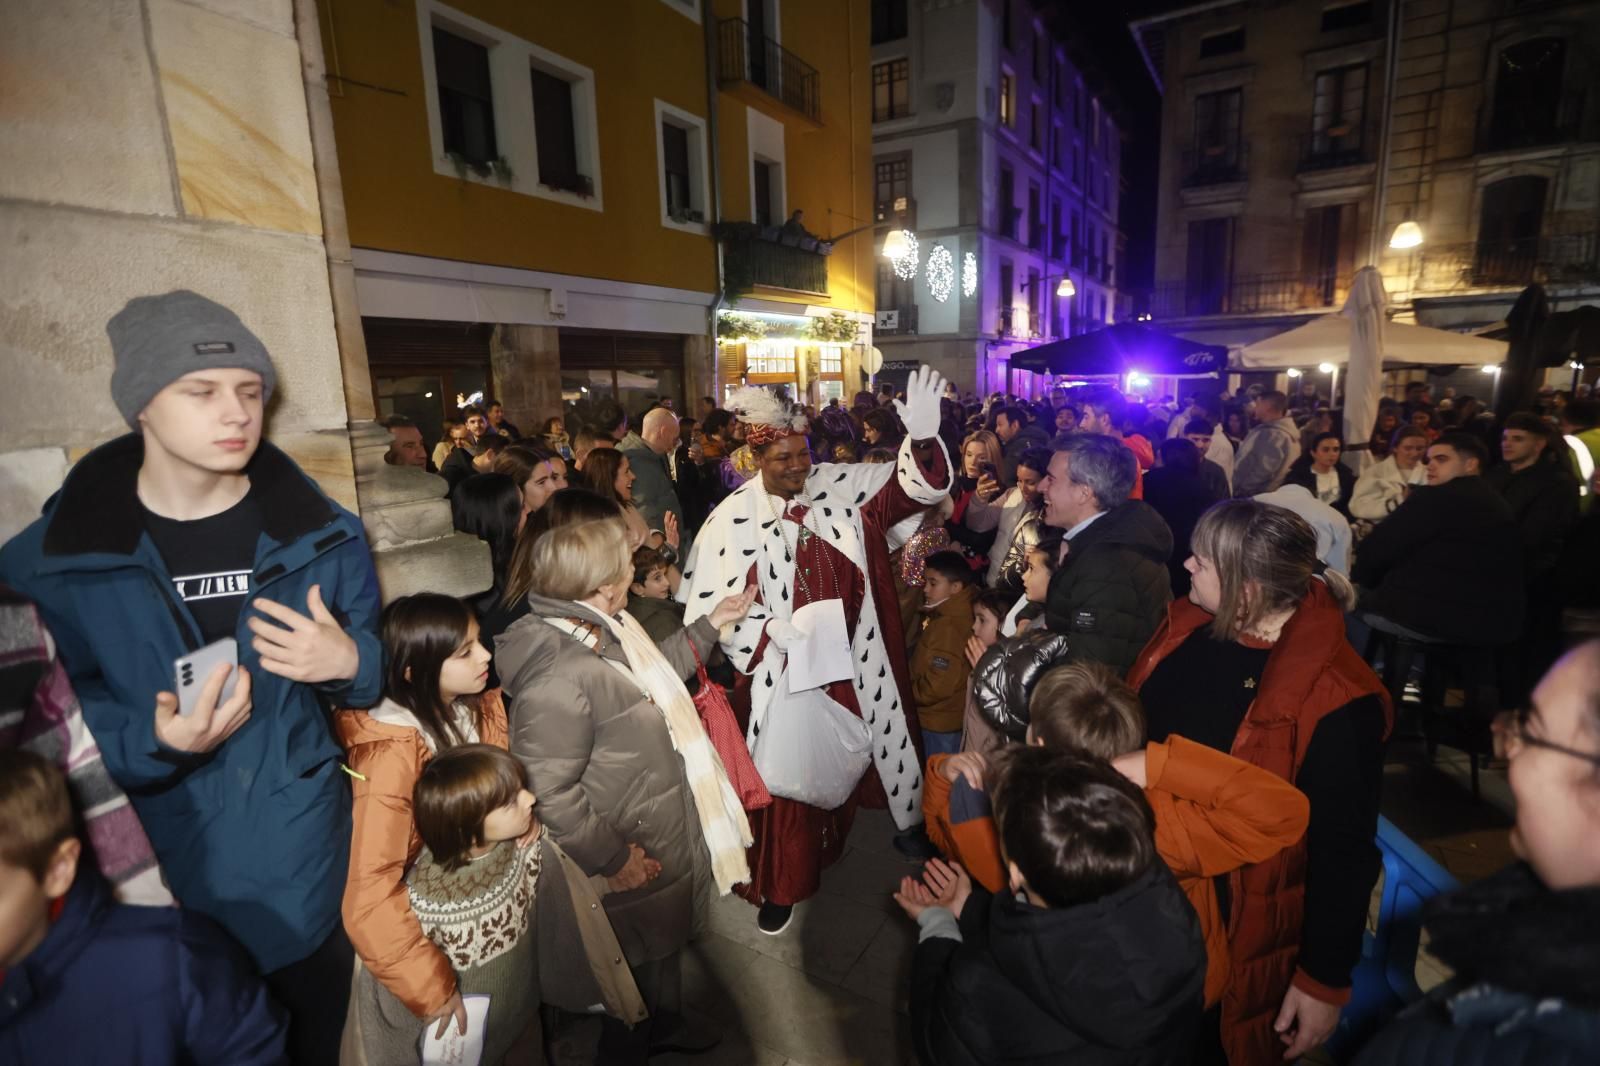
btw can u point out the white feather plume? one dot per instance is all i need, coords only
(762, 407)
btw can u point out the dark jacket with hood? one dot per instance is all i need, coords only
(1448, 563)
(1112, 589)
(1118, 980)
(1526, 990)
(256, 833)
(123, 984)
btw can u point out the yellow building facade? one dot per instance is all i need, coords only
(535, 213)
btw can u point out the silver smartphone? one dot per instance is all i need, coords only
(195, 669)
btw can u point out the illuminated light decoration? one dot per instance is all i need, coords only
(1406, 235)
(969, 275)
(905, 264)
(941, 273)
(1491, 370)
(1326, 368)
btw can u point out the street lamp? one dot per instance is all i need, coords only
(1294, 371)
(1333, 382)
(1066, 288)
(895, 245)
(1407, 235)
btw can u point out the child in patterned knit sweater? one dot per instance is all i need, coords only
(472, 889)
(496, 896)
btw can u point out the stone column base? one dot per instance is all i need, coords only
(414, 545)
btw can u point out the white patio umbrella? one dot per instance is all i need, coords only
(1364, 308)
(1327, 340)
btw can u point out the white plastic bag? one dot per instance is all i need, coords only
(809, 748)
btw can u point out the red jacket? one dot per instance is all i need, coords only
(1312, 672)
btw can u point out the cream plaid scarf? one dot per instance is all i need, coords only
(722, 818)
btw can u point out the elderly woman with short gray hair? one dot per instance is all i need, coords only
(628, 783)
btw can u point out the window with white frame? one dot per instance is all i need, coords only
(466, 99)
(681, 153)
(505, 111)
(1008, 99)
(767, 168)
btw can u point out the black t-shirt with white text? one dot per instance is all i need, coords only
(210, 560)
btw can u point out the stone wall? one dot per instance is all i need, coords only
(153, 145)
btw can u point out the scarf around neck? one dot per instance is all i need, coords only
(723, 822)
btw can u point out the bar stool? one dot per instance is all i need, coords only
(1471, 669)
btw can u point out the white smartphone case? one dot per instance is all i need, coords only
(194, 670)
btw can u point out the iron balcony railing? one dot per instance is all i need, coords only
(779, 266)
(747, 56)
(1556, 259)
(1249, 294)
(1215, 164)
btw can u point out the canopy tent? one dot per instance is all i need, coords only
(1124, 348)
(1327, 340)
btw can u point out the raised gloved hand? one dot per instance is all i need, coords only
(920, 412)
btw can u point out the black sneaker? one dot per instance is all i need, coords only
(914, 844)
(773, 918)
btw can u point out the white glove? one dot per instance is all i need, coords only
(920, 413)
(784, 633)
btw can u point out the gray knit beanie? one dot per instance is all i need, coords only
(155, 340)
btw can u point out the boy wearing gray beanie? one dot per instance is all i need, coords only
(191, 532)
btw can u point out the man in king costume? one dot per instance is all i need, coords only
(806, 535)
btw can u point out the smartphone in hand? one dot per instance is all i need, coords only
(194, 670)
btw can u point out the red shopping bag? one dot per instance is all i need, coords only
(716, 714)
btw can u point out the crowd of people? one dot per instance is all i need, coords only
(1104, 662)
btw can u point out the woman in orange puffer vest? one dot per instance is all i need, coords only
(1274, 682)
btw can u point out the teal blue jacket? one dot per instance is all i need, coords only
(255, 834)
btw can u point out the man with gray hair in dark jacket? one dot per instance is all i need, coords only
(1111, 586)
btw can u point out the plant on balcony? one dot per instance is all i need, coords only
(735, 326)
(687, 215)
(481, 167)
(501, 167)
(836, 328)
(578, 184)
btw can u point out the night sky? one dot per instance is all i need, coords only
(1103, 48)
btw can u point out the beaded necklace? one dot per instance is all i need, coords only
(791, 552)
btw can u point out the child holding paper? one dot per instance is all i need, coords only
(506, 907)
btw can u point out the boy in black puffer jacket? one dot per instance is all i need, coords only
(1094, 958)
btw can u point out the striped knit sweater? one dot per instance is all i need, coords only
(40, 712)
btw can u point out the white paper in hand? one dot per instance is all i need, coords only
(453, 1049)
(824, 654)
